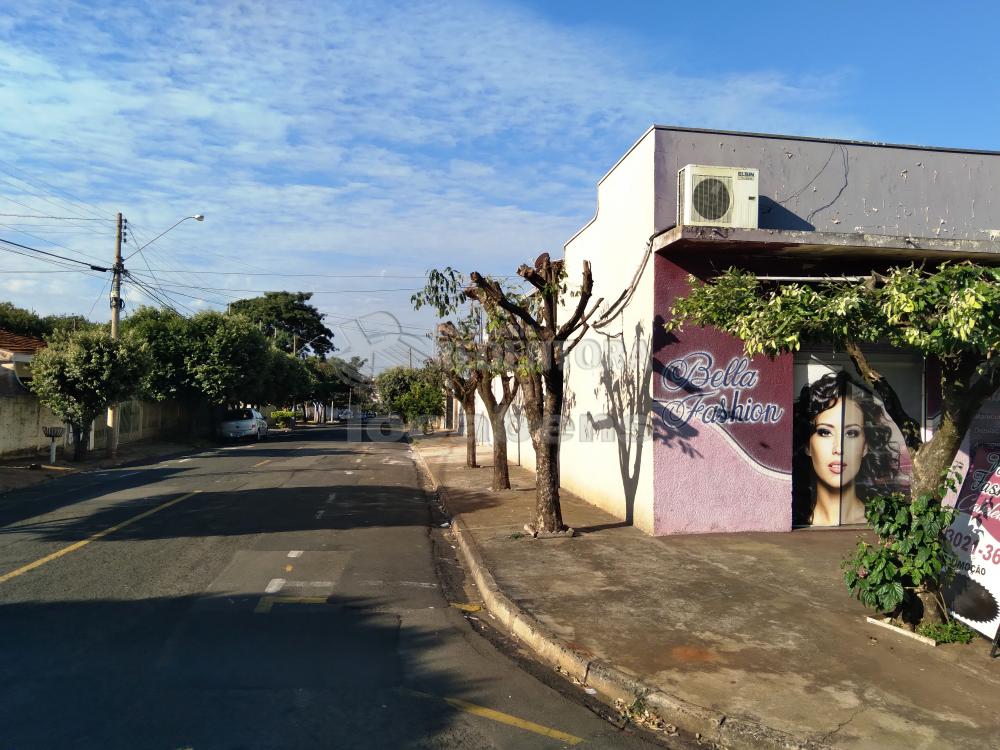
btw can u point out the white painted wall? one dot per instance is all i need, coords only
(607, 446)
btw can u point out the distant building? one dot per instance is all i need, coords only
(16, 353)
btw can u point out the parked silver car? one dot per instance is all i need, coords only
(243, 423)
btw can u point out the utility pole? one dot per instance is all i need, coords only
(410, 348)
(116, 307)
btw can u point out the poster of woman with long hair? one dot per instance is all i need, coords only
(846, 450)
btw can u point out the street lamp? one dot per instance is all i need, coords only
(196, 217)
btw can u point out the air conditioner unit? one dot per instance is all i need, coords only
(717, 197)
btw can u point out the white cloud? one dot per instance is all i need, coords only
(331, 137)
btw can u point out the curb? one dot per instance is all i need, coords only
(610, 681)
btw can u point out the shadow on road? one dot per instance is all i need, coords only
(207, 672)
(247, 512)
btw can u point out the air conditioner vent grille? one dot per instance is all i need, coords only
(712, 198)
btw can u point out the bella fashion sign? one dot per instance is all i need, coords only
(714, 394)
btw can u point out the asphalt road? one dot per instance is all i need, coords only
(274, 595)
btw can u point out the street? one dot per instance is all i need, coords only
(281, 594)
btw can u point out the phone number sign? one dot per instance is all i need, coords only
(974, 595)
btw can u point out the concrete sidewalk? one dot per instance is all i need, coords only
(753, 632)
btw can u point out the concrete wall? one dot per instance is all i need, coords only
(21, 422)
(838, 186)
(22, 419)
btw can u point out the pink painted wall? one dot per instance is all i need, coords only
(722, 450)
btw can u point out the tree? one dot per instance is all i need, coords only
(422, 401)
(288, 319)
(28, 323)
(393, 384)
(415, 394)
(338, 380)
(949, 314)
(167, 337)
(471, 364)
(444, 292)
(227, 358)
(466, 362)
(541, 344)
(79, 375)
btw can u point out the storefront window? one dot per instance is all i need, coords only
(846, 447)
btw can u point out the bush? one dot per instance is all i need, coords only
(282, 418)
(948, 632)
(911, 550)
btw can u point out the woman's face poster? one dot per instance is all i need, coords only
(846, 449)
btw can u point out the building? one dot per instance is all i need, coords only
(16, 352)
(682, 433)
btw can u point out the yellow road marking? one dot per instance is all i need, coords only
(467, 607)
(261, 463)
(99, 535)
(266, 602)
(289, 568)
(500, 716)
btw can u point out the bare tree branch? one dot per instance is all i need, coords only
(494, 294)
(586, 290)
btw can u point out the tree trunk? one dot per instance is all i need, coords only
(469, 407)
(932, 460)
(548, 511)
(81, 436)
(501, 474)
(927, 594)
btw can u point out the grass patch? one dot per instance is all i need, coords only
(949, 632)
(517, 535)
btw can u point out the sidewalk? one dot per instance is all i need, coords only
(16, 472)
(752, 633)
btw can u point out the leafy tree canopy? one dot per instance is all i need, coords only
(80, 374)
(399, 388)
(289, 320)
(227, 357)
(28, 323)
(167, 337)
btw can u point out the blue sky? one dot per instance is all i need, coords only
(376, 140)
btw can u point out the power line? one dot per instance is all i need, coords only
(63, 218)
(312, 291)
(99, 295)
(90, 208)
(43, 239)
(299, 275)
(60, 257)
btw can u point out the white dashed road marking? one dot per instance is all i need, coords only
(275, 586)
(295, 553)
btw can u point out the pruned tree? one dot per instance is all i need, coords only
(492, 363)
(79, 375)
(444, 292)
(541, 344)
(949, 314)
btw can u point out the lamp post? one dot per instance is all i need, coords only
(117, 271)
